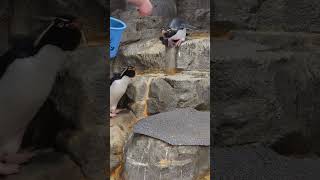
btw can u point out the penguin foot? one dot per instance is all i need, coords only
(8, 169)
(113, 115)
(178, 43)
(19, 158)
(118, 110)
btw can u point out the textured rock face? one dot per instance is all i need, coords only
(80, 97)
(240, 13)
(193, 55)
(289, 15)
(156, 93)
(147, 54)
(148, 158)
(270, 15)
(291, 41)
(261, 96)
(49, 166)
(248, 162)
(120, 129)
(196, 12)
(165, 8)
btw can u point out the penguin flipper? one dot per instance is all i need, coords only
(116, 76)
(22, 48)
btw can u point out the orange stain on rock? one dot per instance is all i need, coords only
(116, 173)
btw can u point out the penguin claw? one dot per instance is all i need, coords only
(113, 115)
(118, 110)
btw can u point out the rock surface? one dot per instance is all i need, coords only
(49, 166)
(196, 12)
(164, 93)
(88, 148)
(270, 15)
(194, 55)
(262, 95)
(120, 129)
(152, 54)
(80, 97)
(289, 41)
(148, 158)
(250, 163)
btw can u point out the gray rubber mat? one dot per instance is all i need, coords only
(179, 127)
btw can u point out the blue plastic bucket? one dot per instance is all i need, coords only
(116, 29)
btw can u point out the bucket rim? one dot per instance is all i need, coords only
(119, 21)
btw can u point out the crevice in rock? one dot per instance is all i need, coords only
(293, 144)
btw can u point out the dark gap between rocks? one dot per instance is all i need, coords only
(293, 144)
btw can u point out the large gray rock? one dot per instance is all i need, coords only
(149, 158)
(240, 13)
(193, 54)
(146, 54)
(88, 148)
(262, 95)
(270, 15)
(164, 93)
(196, 12)
(49, 166)
(288, 15)
(80, 96)
(165, 8)
(80, 89)
(120, 129)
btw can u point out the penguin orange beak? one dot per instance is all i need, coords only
(132, 68)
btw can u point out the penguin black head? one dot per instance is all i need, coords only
(168, 32)
(129, 71)
(64, 32)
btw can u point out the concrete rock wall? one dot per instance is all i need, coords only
(270, 15)
(262, 96)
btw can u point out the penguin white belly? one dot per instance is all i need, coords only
(117, 90)
(23, 89)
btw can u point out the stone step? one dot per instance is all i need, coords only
(149, 158)
(194, 54)
(155, 93)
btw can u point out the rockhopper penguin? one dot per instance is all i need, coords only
(118, 87)
(25, 83)
(175, 33)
